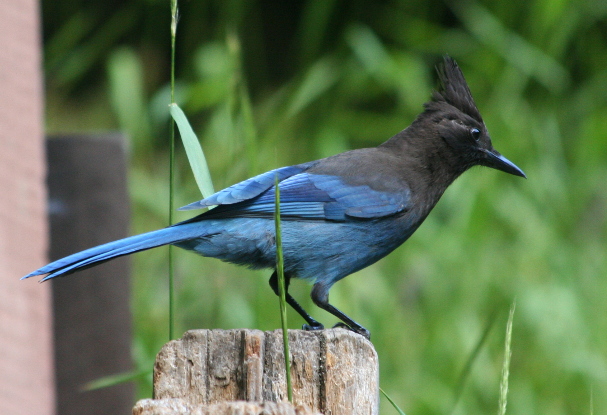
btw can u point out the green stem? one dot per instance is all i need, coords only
(282, 292)
(400, 411)
(503, 400)
(171, 172)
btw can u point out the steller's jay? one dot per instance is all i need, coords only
(339, 214)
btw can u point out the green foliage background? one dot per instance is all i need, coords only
(269, 83)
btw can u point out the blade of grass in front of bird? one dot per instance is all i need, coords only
(174, 13)
(400, 411)
(281, 290)
(506, 367)
(198, 162)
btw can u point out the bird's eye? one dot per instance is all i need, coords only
(475, 133)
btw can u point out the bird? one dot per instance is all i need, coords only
(339, 214)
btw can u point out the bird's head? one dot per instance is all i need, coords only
(458, 121)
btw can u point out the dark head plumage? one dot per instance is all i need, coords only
(450, 134)
(453, 90)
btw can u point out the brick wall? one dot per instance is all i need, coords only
(26, 374)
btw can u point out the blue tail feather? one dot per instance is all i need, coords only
(115, 249)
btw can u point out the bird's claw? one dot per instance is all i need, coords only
(312, 327)
(358, 330)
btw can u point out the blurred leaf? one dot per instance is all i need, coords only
(316, 81)
(512, 47)
(368, 48)
(78, 62)
(472, 358)
(127, 93)
(315, 24)
(215, 70)
(62, 44)
(240, 102)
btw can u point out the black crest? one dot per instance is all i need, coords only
(454, 90)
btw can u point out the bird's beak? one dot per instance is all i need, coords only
(495, 160)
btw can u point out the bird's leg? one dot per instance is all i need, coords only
(320, 296)
(311, 323)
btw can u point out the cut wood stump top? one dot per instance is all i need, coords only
(333, 371)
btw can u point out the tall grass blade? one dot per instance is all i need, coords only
(174, 13)
(198, 163)
(506, 367)
(282, 291)
(400, 411)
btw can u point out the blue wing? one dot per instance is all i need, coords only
(307, 196)
(249, 188)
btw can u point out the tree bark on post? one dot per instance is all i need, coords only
(242, 371)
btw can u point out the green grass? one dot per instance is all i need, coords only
(262, 91)
(282, 292)
(503, 401)
(394, 405)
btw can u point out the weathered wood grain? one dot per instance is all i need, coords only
(333, 371)
(180, 407)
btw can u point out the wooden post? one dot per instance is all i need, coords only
(242, 372)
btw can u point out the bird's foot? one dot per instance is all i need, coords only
(359, 330)
(311, 327)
